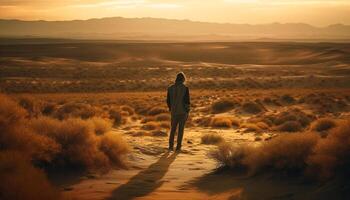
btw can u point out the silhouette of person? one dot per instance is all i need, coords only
(178, 100)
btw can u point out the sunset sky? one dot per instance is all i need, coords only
(315, 12)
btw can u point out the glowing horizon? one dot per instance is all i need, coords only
(313, 12)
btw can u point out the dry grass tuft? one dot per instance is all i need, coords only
(250, 127)
(224, 122)
(223, 106)
(157, 110)
(151, 125)
(290, 126)
(211, 138)
(323, 124)
(101, 126)
(253, 107)
(116, 116)
(20, 180)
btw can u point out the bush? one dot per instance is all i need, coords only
(100, 125)
(290, 126)
(284, 153)
(21, 181)
(323, 124)
(163, 117)
(249, 127)
(116, 116)
(224, 122)
(331, 156)
(222, 106)
(150, 126)
(78, 141)
(76, 110)
(157, 110)
(211, 138)
(115, 148)
(128, 109)
(252, 107)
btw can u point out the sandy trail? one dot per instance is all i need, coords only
(154, 173)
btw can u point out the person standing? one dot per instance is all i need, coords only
(178, 101)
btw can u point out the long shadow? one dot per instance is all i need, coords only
(145, 181)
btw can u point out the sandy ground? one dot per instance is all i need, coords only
(154, 173)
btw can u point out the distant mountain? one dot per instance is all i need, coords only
(166, 29)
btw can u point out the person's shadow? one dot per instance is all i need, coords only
(146, 181)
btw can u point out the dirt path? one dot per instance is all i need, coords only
(155, 173)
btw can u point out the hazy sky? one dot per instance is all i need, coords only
(315, 12)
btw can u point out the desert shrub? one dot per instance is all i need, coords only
(159, 133)
(224, 122)
(128, 109)
(252, 107)
(15, 135)
(262, 125)
(283, 153)
(323, 124)
(100, 125)
(287, 99)
(157, 110)
(293, 115)
(78, 141)
(116, 116)
(211, 138)
(148, 119)
(331, 156)
(115, 148)
(290, 126)
(75, 110)
(30, 104)
(21, 181)
(166, 125)
(250, 127)
(48, 108)
(222, 106)
(150, 126)
(203, 121)
(163, 117)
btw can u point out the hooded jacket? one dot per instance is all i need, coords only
(178, 99)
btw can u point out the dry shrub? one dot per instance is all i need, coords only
(262, 125)
(166, 125)
(223, 106)
(100, 125)
(305, 153)
(293, 115)
(288, 99)
(115, 148)
(250, 127)
(76, 110)
(211, 138)
(323, 124)
(285, 153)
(290, 126)
(163, 117)
(78, 141)
(148, 119)
(203, 121)
(157, 110)
(48, 108)
(253, 107)
(128, 109)
(15, 135)
(31, 104)
(21, 181)
(116, 116)
(224, 122)
(159, 133)
(331, 156)
(151, 126)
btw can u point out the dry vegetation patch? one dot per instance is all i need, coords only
(211, 138)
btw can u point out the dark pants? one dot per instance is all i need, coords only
(177, 120)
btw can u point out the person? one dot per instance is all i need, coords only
(178, 101)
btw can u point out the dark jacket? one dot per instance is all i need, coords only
(178, 99)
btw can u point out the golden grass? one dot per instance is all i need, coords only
(211, 138)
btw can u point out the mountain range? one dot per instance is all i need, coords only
(119, 28)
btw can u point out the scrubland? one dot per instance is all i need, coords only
(65, 112)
